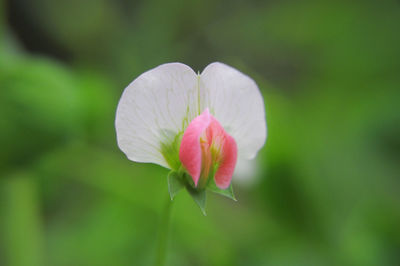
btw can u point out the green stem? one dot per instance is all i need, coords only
(164, 233)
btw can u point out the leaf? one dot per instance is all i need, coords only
(228, 192)
(199, 196)
(175, 184)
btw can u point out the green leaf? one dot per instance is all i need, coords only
(175, 184)
(199, 196)
(228, 192)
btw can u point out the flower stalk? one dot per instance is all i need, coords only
(163, 234)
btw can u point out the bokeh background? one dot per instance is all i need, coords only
(325, 189)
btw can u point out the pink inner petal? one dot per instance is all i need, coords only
(223, 176)
(205, 144)
(190, 152)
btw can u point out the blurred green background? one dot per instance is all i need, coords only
(326, 187)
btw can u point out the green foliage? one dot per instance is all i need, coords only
(22, 225)
(326, 187)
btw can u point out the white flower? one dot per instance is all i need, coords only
(157, 107)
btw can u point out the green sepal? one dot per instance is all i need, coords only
(199, 196)
(178, 180)
(228, 192)
(175, 184)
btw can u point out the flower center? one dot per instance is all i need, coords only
(211, 142)
(207, 150)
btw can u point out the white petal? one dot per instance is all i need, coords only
(157, 105)
(236, 102)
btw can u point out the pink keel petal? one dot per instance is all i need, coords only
(223, 176)
(190, 150)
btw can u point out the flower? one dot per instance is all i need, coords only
(197, 125)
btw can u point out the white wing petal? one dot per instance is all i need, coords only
(155, 106)
(236, 102)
